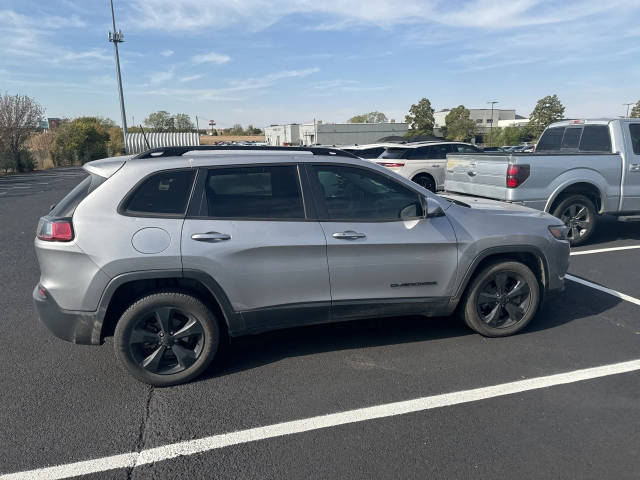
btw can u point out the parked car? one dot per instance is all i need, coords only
(493, 149)
(423, 162)
(373, 150)
(176, 249)
(580, 169)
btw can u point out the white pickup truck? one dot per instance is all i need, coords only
(580, 169)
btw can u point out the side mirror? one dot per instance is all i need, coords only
(433, 208)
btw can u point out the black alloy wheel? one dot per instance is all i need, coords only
(167, 338)
(503, 299)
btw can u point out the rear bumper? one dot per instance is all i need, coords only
(72, 326)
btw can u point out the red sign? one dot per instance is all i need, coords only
(212, 122)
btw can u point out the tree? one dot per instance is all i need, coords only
(251, 130)
(236, 130)
(635, 111)
(40, 145)
(371, 117)
(548, 110)
(458, 126)
(19, 118)
(80, 141)
(182, 122)
(420, 118)
(115, 145)
(160, 121)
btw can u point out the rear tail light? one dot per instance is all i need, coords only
(55, 230)
(391, 164)
(516, 175)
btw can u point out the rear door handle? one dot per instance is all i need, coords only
(210, 237)
(348, 235)
(471, 173)
(634, 167)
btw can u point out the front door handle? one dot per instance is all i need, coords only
(634, 167)
(348, 235)
(210, 237)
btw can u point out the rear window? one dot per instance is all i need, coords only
(551, 139)
(270, 192)
(595, 138)
(369, 152)
(634, 130)
(571, 138)
(68, 204)
(165, 193)
(394, 153)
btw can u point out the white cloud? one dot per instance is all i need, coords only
(156, 78)
(211, 57)
(187, 15)
(166, 52)
(234, 87)
(191, 78)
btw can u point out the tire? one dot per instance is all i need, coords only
(166, 338)
(490, 306)
(425, 181)
(579, 214)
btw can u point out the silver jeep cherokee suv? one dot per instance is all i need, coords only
(174, 249)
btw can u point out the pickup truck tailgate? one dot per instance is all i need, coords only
(483, 175)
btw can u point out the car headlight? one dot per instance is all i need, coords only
(559, 231)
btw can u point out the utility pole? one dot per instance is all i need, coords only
(117, 37)
(493, 102)
(628, 104)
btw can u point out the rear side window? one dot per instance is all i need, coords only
(634, 130)
(269, 192)
(462, 148)
(165, 193)
(595, 138)
(68, 204)
(571, 138)
(551, 139)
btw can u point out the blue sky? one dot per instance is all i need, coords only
(274, 61)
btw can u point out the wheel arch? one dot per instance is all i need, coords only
(529, 255)
(586, 187)
(128, 287)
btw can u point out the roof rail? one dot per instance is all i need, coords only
(181, 150)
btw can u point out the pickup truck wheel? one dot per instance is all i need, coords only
(425, 181)
(502, 299)
(166, 338)
(578, 213)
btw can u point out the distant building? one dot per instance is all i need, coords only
(484, 120)
(319, 133)
(49, 123)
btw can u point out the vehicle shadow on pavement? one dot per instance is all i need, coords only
(244, 353)
(610, 229)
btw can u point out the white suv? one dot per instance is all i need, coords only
(423, 162)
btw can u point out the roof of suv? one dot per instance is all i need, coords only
(426, 144)
(178, 151)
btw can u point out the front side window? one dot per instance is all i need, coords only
(634, 130)
(269, 192)
(349, 193)
(165, 193)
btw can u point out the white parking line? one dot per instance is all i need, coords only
(603, 250)
(192, 447)
(615, 293)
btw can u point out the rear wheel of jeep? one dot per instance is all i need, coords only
(502, 299)
(166, 338)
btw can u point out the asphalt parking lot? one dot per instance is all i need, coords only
(62, 403)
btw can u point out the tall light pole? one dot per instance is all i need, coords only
(493, 102)
(117, 37)
(628, 104)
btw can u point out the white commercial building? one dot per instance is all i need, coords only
(319, 133)
(484, 120)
